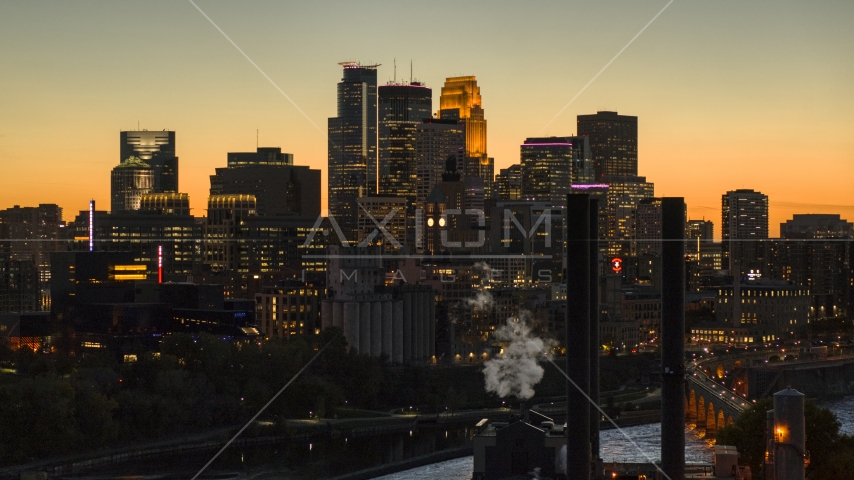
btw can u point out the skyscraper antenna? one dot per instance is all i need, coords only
(410, 70)
(256, 137)
(395, 70)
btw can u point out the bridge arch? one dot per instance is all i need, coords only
(701, 412)
(692, 406)
(721, 419)
(711, 421)
(729, 420)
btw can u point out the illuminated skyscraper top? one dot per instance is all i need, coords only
(463, 95)
(157, 149)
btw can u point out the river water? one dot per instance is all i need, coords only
(645, 444)
(334, 457)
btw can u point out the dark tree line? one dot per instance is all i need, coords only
(831, 453)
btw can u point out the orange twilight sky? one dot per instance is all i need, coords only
(729, 94)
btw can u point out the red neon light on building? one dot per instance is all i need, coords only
(617, 264)
(160, 264)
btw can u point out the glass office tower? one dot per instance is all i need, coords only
(402, 107)
(353, 143)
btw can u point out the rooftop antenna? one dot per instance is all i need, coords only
(256, 138)
(137, 125)
(395, 70)
(410, 71)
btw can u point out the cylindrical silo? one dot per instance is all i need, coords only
(365, 328)
(387, 330)
(338, 315)
(407, 327)
(351, 324)
(789, 435)
(397, 332)
(376, 328)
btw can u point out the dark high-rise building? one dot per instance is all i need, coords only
(279, 187)
(353, 143)
(129, 181)
(744, 223)
(622, 197)
(700, 229)
(613, 141)
(36, 232)
(436, 141)
(157, 149)
(551, 165)
(648, 227)
(508, 183)
(262, 156)
(401, 108)
(816, 226)
(816, 251)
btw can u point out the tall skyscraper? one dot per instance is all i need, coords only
(744, 222)
(157, 149)
(436, 140)
(463, 95)
(129, 181)
(648, 227)
(613, 141)
(37, 231)
(401, 108)
(744, 215)
(353, 143)
(460, 100)
(551, 165)
(279, 187)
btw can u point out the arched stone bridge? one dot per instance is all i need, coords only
(709, 405)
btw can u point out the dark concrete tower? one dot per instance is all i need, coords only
(673, 337)
(594, 333)
(578, 336)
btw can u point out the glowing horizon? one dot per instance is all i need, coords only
(727, 96)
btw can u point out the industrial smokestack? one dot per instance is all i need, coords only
(577, 342)
(673, 338)
(789, 435)
(594, 333)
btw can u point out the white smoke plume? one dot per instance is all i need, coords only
(483, 299)
(517, 370)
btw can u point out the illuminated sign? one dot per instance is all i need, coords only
(91, 225)
(160, 264)
(754, 275)
(617, 264)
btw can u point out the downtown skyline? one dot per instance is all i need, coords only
(762, 109)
